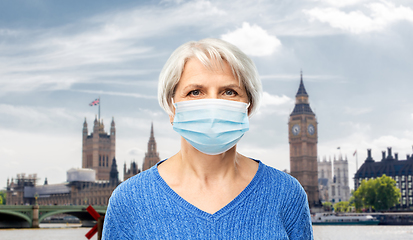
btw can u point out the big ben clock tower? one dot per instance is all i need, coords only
(302, 135)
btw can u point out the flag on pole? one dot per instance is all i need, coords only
(94, 103)
(355, 152)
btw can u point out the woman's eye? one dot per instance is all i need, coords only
(194, 92)
(230, 92)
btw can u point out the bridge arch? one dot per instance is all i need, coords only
(66, 211)
(16, 214)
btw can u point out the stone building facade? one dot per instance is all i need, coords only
(76, 191)
(15, 188)
(93, 184)
(333, 185)
(303, 139)
(99, 148)
(340, 190)
(132, 171)
(151, 156)
(324, 179)
(399, 170)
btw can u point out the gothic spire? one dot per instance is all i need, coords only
(302, 105)
(152, 135)
(114, 174)
(301, 89)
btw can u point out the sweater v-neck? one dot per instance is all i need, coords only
(181, 202)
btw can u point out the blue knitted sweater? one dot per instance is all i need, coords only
(272, 206)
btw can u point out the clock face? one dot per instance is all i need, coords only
(296, 129)
(311, 129)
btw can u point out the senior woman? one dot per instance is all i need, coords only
(208, 190)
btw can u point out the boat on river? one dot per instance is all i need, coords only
(343, 219)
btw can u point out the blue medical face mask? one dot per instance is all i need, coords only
(212, 126)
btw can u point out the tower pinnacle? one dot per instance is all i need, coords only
(302, 105)
(152, 135)
(301, 89)
(151, 156)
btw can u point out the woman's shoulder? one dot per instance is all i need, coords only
(136, 185)
(281, 179)
(291, 195)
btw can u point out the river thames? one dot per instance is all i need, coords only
(74, 232)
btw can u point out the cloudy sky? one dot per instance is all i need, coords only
(58, 56)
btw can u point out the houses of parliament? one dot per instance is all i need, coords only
(98, 177)
(93, 183)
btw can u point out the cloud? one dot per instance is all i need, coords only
(123, 94)
(280, 105)
(268, 99)
(341, 3)
(379, 17)
(357, 111)
(59, 57)
(288, 77)
(38, 114)
(401, 144)
(36, 119)
(253, 40)
(7, 151)
(136, 152)
(356, 127)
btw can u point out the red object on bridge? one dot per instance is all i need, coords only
(92, 232)
(96, 216)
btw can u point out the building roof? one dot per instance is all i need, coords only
(391, 166)
(301, 89)
(302, 107)
(46, 190)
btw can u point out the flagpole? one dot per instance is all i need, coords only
(357, 165)
(99, 109)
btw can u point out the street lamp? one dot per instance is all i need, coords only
(35, 199)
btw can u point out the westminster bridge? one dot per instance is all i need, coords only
(29, 216)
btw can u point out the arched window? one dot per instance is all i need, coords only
(338, 175)
(322, 173)
(107, 161)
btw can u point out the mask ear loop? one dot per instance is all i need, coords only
(173, 104)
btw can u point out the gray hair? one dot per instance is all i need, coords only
(207, 51)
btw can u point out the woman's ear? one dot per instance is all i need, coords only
(171, 119)
(249, 109)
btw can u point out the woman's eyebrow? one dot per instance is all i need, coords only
(231, 86)
(192, 86)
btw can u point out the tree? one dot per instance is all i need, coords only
(387, 194)
(342, 207)
(378, 194)
(327, 206)
(356, 200)
(3, 198)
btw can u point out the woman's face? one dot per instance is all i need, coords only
(199, 82)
